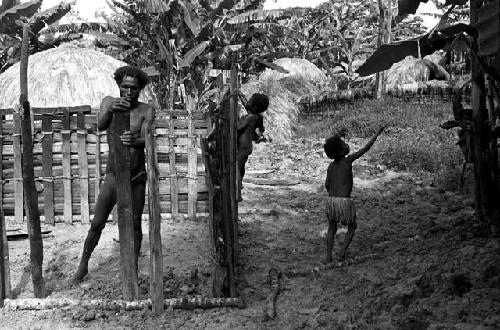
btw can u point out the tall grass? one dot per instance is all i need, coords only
(412, 140)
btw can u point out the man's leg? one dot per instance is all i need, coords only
(103, 207)
(351, 229)
(330, 236)
(138, 198)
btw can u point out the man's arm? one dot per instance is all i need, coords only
(105, 114)
(260, 124)
(352, 157)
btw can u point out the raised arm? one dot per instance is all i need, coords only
(260, 124)
(243, 98)
(105, 114)
(352, 157)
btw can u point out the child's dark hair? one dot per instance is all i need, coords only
(333, 147)
(131, 71)
(258, 103)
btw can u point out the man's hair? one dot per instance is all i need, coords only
(258, 103)
(131, 71)
(333, 147)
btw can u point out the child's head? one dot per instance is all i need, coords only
(258, 103)
(335, 147)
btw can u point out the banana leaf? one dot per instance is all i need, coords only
(10, 18)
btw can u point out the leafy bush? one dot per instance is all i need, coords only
(412, 140)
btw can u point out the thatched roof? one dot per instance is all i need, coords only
(412, 71)
(297, 67)
(64, 76)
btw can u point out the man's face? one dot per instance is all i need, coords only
(129, 88)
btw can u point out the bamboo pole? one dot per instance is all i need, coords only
(48, 182)
(174, 197)
(156, 262)
(120, 124)
(5, 289)
(66, 163)
(18, 169)
(192, 161)
(31, 195)
(233, 169)
(83, 166)
(116, 305)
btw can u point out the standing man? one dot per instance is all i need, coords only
(131, 81)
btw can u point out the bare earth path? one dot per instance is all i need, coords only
(419, 260)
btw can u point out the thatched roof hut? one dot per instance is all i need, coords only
(297, 67)
(414, 72)
(64, 76)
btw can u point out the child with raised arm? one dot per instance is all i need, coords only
(339, 181)
(247, 130)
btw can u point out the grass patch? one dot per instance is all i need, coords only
(412, 141)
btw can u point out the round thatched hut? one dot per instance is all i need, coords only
(63, 77)
(412, 73)
(297, 67)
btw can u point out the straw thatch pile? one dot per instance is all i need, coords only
(64, 76)
(297, 67)
(412, 74)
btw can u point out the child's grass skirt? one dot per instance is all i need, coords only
(341, 210)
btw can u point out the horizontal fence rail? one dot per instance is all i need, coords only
(70, 157)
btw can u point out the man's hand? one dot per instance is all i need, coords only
(129, 138)
(120, 104)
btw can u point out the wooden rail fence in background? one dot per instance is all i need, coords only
(70, 157)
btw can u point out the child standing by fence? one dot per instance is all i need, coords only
(339, 181)
(247, 126)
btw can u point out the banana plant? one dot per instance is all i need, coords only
(11, 24)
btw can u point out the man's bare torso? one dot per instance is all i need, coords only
(339, 180)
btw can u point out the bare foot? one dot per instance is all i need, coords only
(79, 275)
(326, 261)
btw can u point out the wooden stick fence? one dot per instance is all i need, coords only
(70, 156)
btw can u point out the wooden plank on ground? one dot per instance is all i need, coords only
(48, 182)
(155, 246)
(84, 168)
(121, 152)
(66, 162)
(18, 172)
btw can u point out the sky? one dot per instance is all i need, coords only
(87, 8)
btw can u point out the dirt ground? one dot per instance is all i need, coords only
(419, 259)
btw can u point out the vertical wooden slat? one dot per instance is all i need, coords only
(48, 182)
(66, 162)
(233, 169)
(4, 246)
(155, 247)
(121, 152)
(174, 197)
(192, 162)
(97, 165)
(18, 172)
(84, 167)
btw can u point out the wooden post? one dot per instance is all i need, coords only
(66, 163)
(174, 196)
(120, 124)
(233, 169)
(48, 180)
(192, 161)
(155, 247)
(31, 195)
(18, 170)
(4, 246)
(227, 195)
(83, 166)
(4, 261)
(484, 186)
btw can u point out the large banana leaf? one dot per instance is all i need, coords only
(49, 16)
(191, 55)
(10, 18)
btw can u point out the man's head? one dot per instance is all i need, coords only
(258, 103)
(131, 81)
(335, 147)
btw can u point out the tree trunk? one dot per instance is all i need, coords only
(485, 185)
(31, 195)
(384, 37)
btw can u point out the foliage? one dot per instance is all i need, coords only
(412, 141)
(12, 21)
